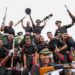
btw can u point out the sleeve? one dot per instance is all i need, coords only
(61, 42)
(13, 32)
(5, 29)
(71, 41)
(68, 26)
(42, 26)
(52, 45)
(55, 33)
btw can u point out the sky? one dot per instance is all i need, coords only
(39, 10)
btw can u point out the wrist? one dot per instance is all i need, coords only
(25, 65)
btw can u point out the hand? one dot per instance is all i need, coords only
(11, 51)
(56, 50)
(25, 67)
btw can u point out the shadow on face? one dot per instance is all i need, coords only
(58, 23)
(64, 36)
(28, 40)
(11, 23)
(38, 21)
(50, 35)
(44, 58)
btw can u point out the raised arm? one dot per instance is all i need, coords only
(2, 27)
(69, 25)
(22, 24)
(44, 24)
(24, 58)
(32, 21)
(71, 15)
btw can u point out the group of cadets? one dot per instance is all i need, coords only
(31, 51)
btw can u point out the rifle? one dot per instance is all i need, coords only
(70, 14)
(4, 18)
(20, 20)
(27, 11)
(47, 17)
